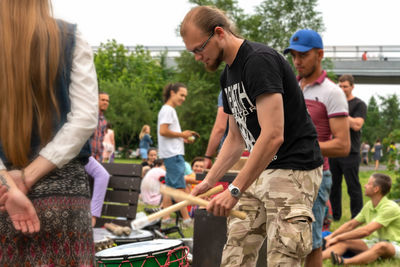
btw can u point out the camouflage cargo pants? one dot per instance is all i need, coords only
(279, 207)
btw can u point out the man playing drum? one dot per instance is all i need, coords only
(267, 115)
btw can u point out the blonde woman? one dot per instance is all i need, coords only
(145, 141)
(48, 110)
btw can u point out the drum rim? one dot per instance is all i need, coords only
(127, 257)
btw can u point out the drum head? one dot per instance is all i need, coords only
(139, 249)
(135, 236)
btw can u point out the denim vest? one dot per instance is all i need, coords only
(67, 32)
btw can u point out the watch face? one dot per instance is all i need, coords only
(235, 191)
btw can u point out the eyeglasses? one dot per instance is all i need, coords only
(201, 48)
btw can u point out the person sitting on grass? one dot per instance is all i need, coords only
(149, 163)
(381, 231)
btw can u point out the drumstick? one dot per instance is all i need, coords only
(139, 223)
(115, 229)
(178, 194)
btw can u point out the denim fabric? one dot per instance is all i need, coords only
(175, 171)
(319, 208)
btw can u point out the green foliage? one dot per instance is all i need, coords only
(134, 80)
(372, 126)
(275, 21)
(199, 110)
(273, 24)
(128, 112)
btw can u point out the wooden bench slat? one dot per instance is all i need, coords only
(125, 183)
(120, 211)
(130, 197)
(122, 169)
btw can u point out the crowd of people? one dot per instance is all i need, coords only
(303, 134)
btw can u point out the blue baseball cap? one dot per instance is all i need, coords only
(304, 40)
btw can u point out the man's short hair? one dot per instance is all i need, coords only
(383, 181)
(206, 18)
(347, 77)
(158, 163)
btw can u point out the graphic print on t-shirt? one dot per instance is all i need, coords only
(241, 106)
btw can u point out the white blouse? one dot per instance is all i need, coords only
(82, 119)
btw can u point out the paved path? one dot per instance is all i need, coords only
(371, 167)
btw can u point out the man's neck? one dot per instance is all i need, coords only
(312, 78)
(350, 97)
(376, 199)
(232, 49)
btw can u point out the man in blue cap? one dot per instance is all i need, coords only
(328, 108)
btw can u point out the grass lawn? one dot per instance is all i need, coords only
(346, 215)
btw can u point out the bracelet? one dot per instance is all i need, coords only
(208, 157)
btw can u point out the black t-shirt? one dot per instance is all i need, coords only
(258, 69)
(357, 109)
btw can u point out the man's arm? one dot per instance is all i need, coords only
(271, 120)
(356, 123)
(166, 132)
(339, 146)
(216, 135)
(357, 233)
(344, 228)
(230, 153)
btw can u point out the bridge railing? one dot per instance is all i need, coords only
(354, 53)
(337, 53)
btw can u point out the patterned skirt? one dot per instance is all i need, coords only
(62, 202)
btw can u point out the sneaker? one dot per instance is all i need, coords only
(167, 221)
(187, 223)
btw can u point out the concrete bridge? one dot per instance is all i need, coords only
(381, 67)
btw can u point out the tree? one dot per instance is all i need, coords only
(272, 27)
(372, 126)
(128, 112)
(275, 21)
(134, 80)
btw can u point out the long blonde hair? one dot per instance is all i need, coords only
(143, 131)
(29, 60)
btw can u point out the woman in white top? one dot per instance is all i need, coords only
(48, 110)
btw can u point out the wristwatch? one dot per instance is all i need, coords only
(235, 191)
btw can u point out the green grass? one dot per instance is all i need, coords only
(346, 216)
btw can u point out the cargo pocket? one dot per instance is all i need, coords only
(293, 236)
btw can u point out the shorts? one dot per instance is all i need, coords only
(278, 207)
(319, 208)
(371, 242)
(175, 167)
(143, 153)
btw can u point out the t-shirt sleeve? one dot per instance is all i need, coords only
(166, 115)
(337, 104)
(220, 103)
(263, 74)
(361, 215)
(361, 110)
(386, 215)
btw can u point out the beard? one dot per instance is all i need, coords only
(214, 65)
(309, 73)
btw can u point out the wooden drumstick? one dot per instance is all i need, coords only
(139, 223)
(115, 229)
(178, 194)
(127, 231)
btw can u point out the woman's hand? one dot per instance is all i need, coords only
(22, 212)
(19, 180)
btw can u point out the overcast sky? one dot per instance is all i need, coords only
(154, 22)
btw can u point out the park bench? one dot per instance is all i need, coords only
(121, 200)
